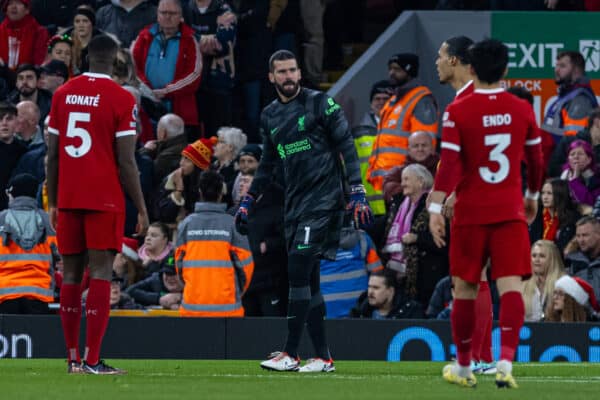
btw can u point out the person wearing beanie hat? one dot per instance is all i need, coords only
(248, 160)
(572, 301)
(179, 190)
(23, 185)
(200, 152)
(412, 108)
(20, 27)
(381, 92)
(83, 30)
(409, 62)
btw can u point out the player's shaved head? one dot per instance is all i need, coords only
(102, 52)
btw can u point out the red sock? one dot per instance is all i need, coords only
(482, 343)
(70, 317)
(463, 322)
(97, 309)
(512, 315)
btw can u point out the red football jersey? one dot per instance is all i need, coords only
(464, 91)
(485, 136)
(88, 114)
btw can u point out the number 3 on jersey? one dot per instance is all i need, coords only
(73, 131)
(500, 142)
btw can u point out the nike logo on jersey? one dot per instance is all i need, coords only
(274, 131)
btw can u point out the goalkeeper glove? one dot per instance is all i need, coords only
(361, 212)
(241, 216)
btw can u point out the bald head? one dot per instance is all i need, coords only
(28, 116)
(169, 126)
(420, 145)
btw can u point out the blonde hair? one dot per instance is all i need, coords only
(555, 270)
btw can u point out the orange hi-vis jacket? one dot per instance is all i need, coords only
(214, 261)
(398, 120)
(26, 273)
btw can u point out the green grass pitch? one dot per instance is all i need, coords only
(176, 379)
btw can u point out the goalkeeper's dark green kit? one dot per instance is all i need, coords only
(307, 136)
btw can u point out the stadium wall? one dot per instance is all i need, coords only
(533, 38)
(254, 338)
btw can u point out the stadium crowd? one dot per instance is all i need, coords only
(197, 70)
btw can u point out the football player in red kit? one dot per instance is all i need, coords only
(485, 136)
(90, 160)
(454, 68)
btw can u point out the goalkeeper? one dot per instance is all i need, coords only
(305, 135)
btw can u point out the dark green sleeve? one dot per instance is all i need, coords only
(341, 137)
(268, 161)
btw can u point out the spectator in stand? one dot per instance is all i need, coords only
(163, 288)
(42, 195)
(118, 299)
(167, 59)
(166, 149)
(82, 31)
(569, 112)
(380, 93)
(440, 304)
(585, 262)
(178, 192)
(312, 12)
(27, 89)
(556, 218)
(420, 151)
(127, 263)
(547, 267)
(60, 47)
(268, 291)
(582, 173)
(53, 74)
(252, 60)
(29, 135)
(6, 81)
(285, 22)
(364, 137)
(126, 18)
(215, 25)
(346, 277)
(590, 134)
(22, 39)
(26, 250)
(411, 109)
(248, 159)
(573, 300)
(208, 238)
(28, 130)
(156, 250)
(410, 247)
(231, 141)
(10, 149)
(384, 300)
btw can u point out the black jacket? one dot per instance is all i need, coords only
(306, 137)
(125, 25)
(403, 308)
(266, 225)
(148, 291)
(559, 154)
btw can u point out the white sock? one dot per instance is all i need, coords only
(464, 372)
(504, 366)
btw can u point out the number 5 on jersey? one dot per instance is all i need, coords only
(74, 131)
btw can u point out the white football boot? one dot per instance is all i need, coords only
(318, 365)
(281, 361)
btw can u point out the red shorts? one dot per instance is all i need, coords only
(506, 244)
(79, 230)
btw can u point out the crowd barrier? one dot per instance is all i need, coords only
(134, 335)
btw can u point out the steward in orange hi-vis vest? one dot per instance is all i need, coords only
(411, 109)
(27, 242)
(214, 261)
